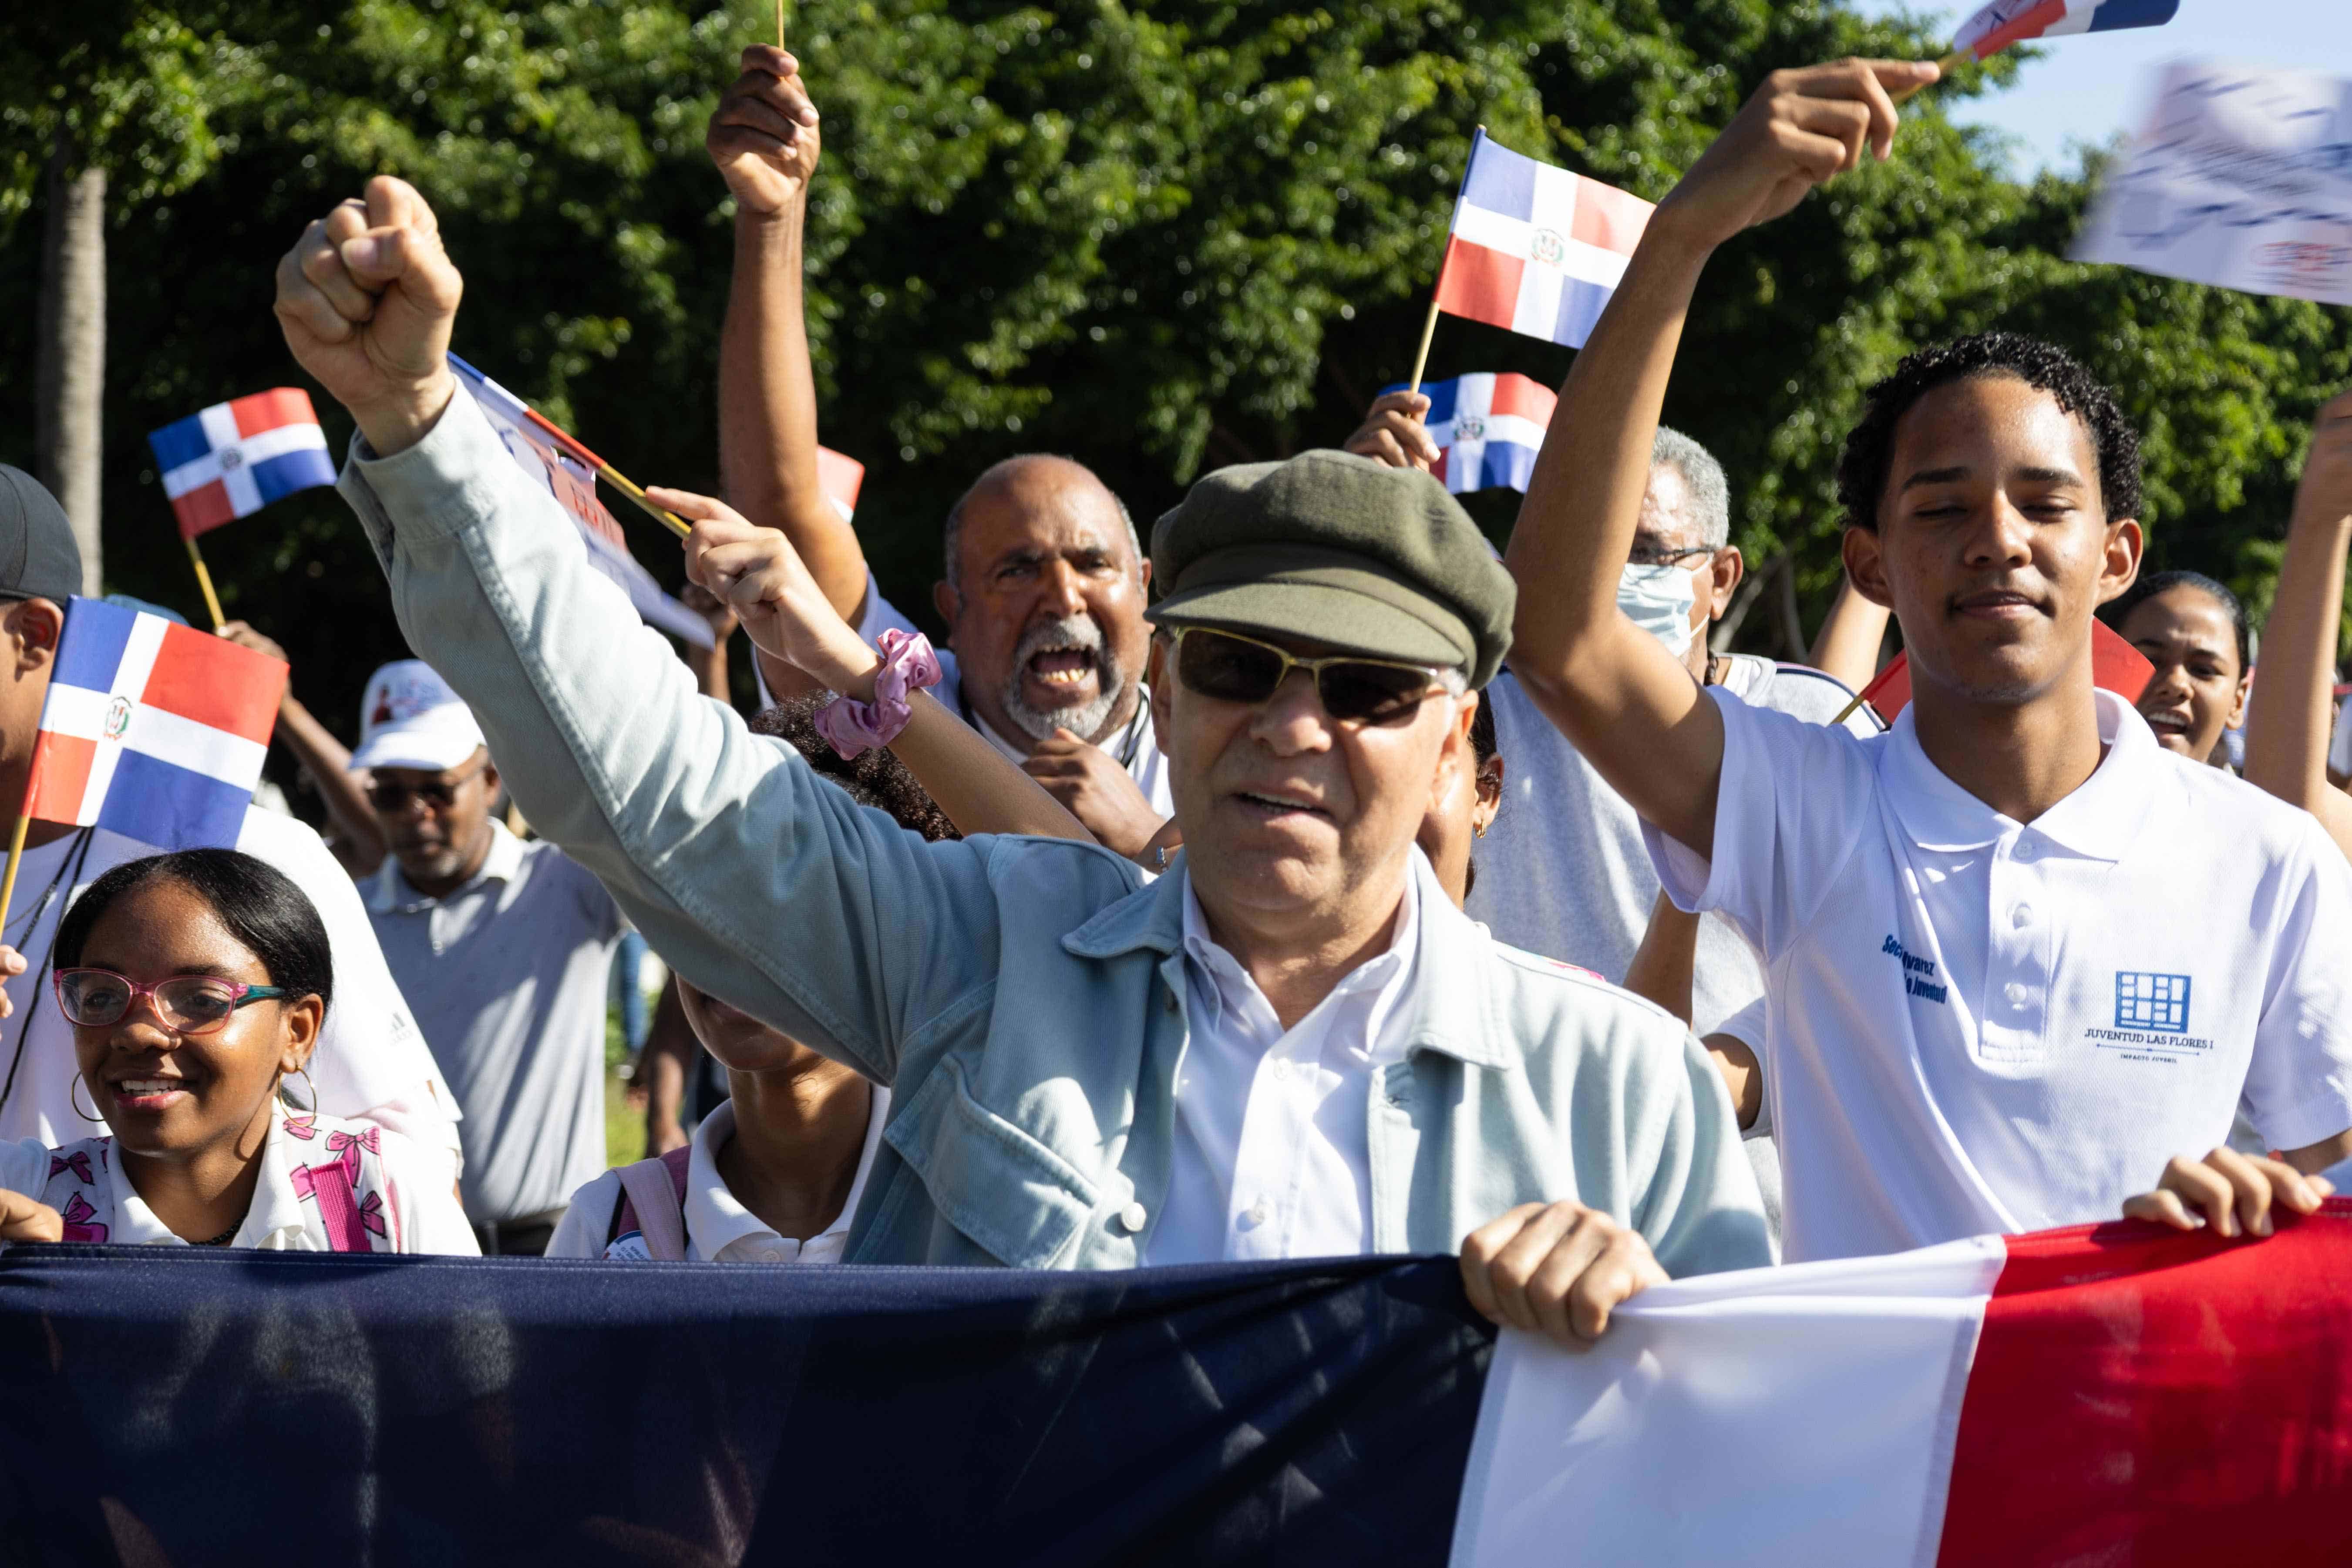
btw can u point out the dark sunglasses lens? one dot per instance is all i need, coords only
(395, 797)
(93, 999)
(194, 1002)
(1228, 668)
(1372, 692)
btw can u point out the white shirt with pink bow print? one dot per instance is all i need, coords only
(327, 1185)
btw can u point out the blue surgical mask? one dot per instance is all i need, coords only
(1659, 600)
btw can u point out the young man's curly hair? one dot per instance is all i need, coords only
(1861, 466)
(876, 778)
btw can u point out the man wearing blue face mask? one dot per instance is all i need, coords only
(1563, 871)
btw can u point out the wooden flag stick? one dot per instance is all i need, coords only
(212, 603)
(610, 474)
(1428, 332)
(661, 514)
(15, 858)
(1846, 712)
(1957, 56)
(779, 24)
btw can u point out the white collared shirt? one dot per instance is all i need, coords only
(1273, 1150)
(508, 976)
(719, 1228)
(1979, 1025)
(325, 1184)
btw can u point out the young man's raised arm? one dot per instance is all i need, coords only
(2288, 721)
(764, 139)
(1628, 705)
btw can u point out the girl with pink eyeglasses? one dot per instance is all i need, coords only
(196, 983)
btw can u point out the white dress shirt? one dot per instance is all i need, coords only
(1273, 1152)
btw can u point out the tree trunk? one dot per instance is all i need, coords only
(70, 379)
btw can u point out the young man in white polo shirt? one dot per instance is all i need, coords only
(2016, 955)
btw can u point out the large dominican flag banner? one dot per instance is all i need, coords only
(236, 457)
(151, 729)
(1534, 248)
(1488, 427)
(2007, 22)
(2111, 1395)
(2120, 1395)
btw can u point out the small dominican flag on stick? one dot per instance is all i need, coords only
(1488, 428)
(1536, 248)
(151, 729)
(2007, 22)
(236, 458)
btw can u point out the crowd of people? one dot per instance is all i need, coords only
(1310, 881)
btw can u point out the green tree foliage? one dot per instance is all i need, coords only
(1158, 235)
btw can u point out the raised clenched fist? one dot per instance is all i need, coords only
(367, 299)
(763, 134)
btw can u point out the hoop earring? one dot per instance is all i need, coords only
(77, 1111)
(304, 1074)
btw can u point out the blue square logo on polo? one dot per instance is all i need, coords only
(2157, 1002)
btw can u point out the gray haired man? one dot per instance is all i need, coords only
(1291, 1045)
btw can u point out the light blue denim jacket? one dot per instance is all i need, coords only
(1025, 998)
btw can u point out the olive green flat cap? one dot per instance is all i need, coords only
(1340, 550)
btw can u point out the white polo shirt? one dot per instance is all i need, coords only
(1979, 1025)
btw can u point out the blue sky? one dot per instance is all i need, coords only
(2086, 88)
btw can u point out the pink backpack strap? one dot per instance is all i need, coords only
(653, 1204)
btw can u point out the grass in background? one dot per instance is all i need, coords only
(625, 1125)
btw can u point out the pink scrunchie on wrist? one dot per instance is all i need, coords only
(908, 666)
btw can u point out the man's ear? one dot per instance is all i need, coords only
(490, 780)
(948, 604)
(32, 627)
(1727, 568)
(1866, 565)
(2120, 569)
(1143, 577)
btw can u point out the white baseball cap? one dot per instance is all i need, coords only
(410, 719)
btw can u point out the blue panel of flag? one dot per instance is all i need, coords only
(283, 1408)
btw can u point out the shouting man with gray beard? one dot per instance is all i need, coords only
(1045, 581)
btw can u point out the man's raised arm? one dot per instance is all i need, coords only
(702, 831)
(763, 137)
(1628, 705)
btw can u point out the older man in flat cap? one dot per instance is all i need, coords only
(1291, 1045)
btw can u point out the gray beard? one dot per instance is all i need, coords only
(1083, 720)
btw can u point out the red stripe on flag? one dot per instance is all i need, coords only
(1479, 284)
(2158, 1398)
(205, 507)
(1515, 393)
(2028, 24)
(1607, 217)
(268, 410)
(213, 681)
(60, 776)
(2116, 666)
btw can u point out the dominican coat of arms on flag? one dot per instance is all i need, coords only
(151, 729)
(238, 456)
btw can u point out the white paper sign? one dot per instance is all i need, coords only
(2240, 177)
